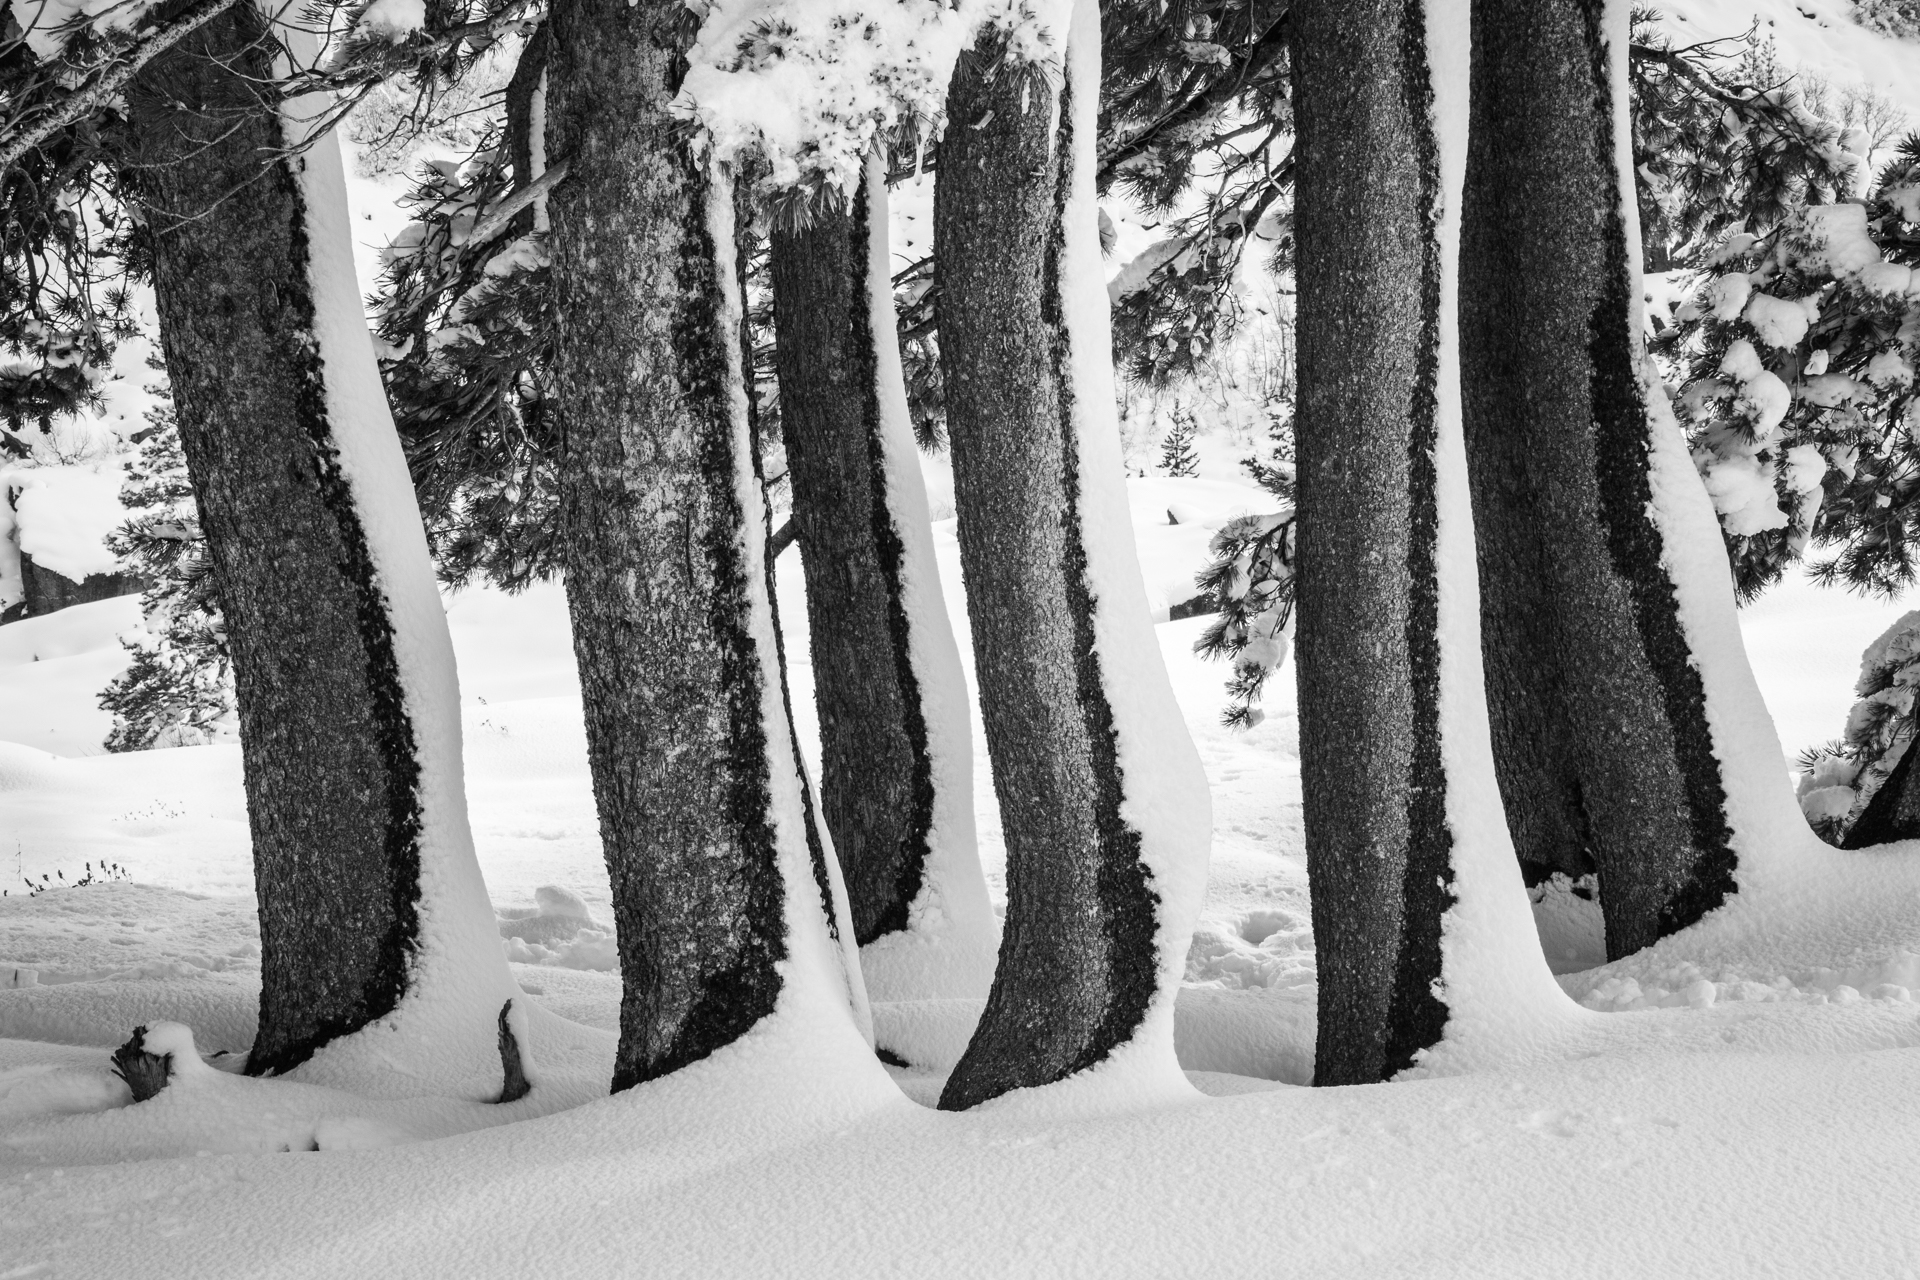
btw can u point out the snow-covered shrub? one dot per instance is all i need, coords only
(1803, 344)
(1838, 780)
(177, 690)
(1895, 17)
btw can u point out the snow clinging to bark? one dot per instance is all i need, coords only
(811, 85)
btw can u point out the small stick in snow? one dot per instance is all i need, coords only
(516, 1085)
(147, 1073)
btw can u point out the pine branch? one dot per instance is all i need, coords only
(105, 82)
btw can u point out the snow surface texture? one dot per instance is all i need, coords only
(1502, 1003)
(951, 940)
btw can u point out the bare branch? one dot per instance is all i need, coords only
(498, 217)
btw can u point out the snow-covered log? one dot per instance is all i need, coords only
(380, 963)
(897, 755)
(724, 890)
(1630, 737)
(1103, 802)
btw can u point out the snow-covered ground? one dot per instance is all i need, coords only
(1620, 1149)
(1740, 1101)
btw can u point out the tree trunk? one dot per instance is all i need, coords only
(1605, 756)
(699, 795)
(896, 782)
(371, 905)
(1373, 790)
(1103, 828)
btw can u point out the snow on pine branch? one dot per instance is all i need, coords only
(811, 86)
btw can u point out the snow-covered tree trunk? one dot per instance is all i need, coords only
(380, 961)
(1605, 739)
(1103, 803)
(1421, 925)
(897, 756)
(1372, 787)
(718, 877)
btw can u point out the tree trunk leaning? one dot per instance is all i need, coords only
(896, 782)
(376, 931)
(699, 796)
(1103, 806)
(1605, 756)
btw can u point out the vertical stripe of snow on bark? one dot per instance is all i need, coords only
(947, 949)
(1165, 797)
(442, 1036)
(1770, 835)
(1503, 1004)
(822, 995)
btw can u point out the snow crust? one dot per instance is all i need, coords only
(949, 946)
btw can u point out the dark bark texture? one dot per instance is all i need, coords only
(656, 578)
(329, 749)
(1077, 966)
(1372, 784)
(876, 776)
(1601, 744)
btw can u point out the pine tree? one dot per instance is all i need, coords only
(1177, 457)
(1800, 350)
(178, 688)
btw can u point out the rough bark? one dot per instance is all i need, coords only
(876, 781)
(657, 578)
(1372, 786)
(1604, 756)
(1077, 959)
(329, 750)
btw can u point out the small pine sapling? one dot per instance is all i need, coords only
(178, 687)
(1177, 456)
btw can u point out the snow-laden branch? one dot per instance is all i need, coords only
(811, 85)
